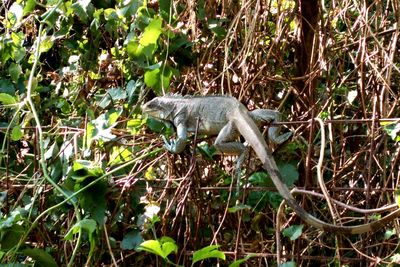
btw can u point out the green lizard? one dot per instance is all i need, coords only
(226, 118)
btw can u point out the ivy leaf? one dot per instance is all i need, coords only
(46, 44)
(7, 99)
(162, 247)
(288, 264)
(131, 240)
(82, 8)
(293, 232)
(87, 225)
(29, 6)
(151, 32)
(165, 9)
(17, 133)
(6, 86)
(207, 252)
(289, 173)
(14, 70)
(158, 78)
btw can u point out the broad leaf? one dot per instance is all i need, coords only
(207, 252)
(131, 240)
(7, 99)
(293, 232)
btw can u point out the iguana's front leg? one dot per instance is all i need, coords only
(178, 145)
(261, 116)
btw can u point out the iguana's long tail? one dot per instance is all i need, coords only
(251, 133)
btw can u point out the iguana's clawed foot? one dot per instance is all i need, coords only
(238, 170)
(174, 146)
(279, 139)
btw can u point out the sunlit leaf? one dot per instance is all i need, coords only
(151, 32)
(29, 6)
(7, 99)
(46, 44)
(150, 174)
(158, 78)
(207, 252)
(17, 133)
(120, 155)
(152, 246)
(82, 9)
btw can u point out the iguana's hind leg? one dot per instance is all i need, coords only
(262, 116)
(226, 143)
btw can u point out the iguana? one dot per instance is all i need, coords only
(226, 118)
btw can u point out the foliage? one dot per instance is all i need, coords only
(84, 177)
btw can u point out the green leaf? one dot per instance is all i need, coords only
(29, 6)
(215, 26)
(288, 264)
(237, 263)
(158, 79)
(165, 9)
(293, 232)
(83, 8)
(17, 133)
(87, 225)
(46, 44)
(289, 172)
(389, 233)
(6, 86)
(150, 174)
(15, 13)
(207, 252)
(392, 129)
(133, 89)
(14, 70)
(83, 169)
(41, 257)
(120, 155)
(239, 207)
(130, 7)
(11, 235)
(7, 99)
(151, 32)
(152, 246)
(100, 128)
(131, 240)
(93, 200)
(113, 95)
(162, 247)
(207, 150)
(260, 179)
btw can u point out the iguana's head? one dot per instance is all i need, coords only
(158, 108)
